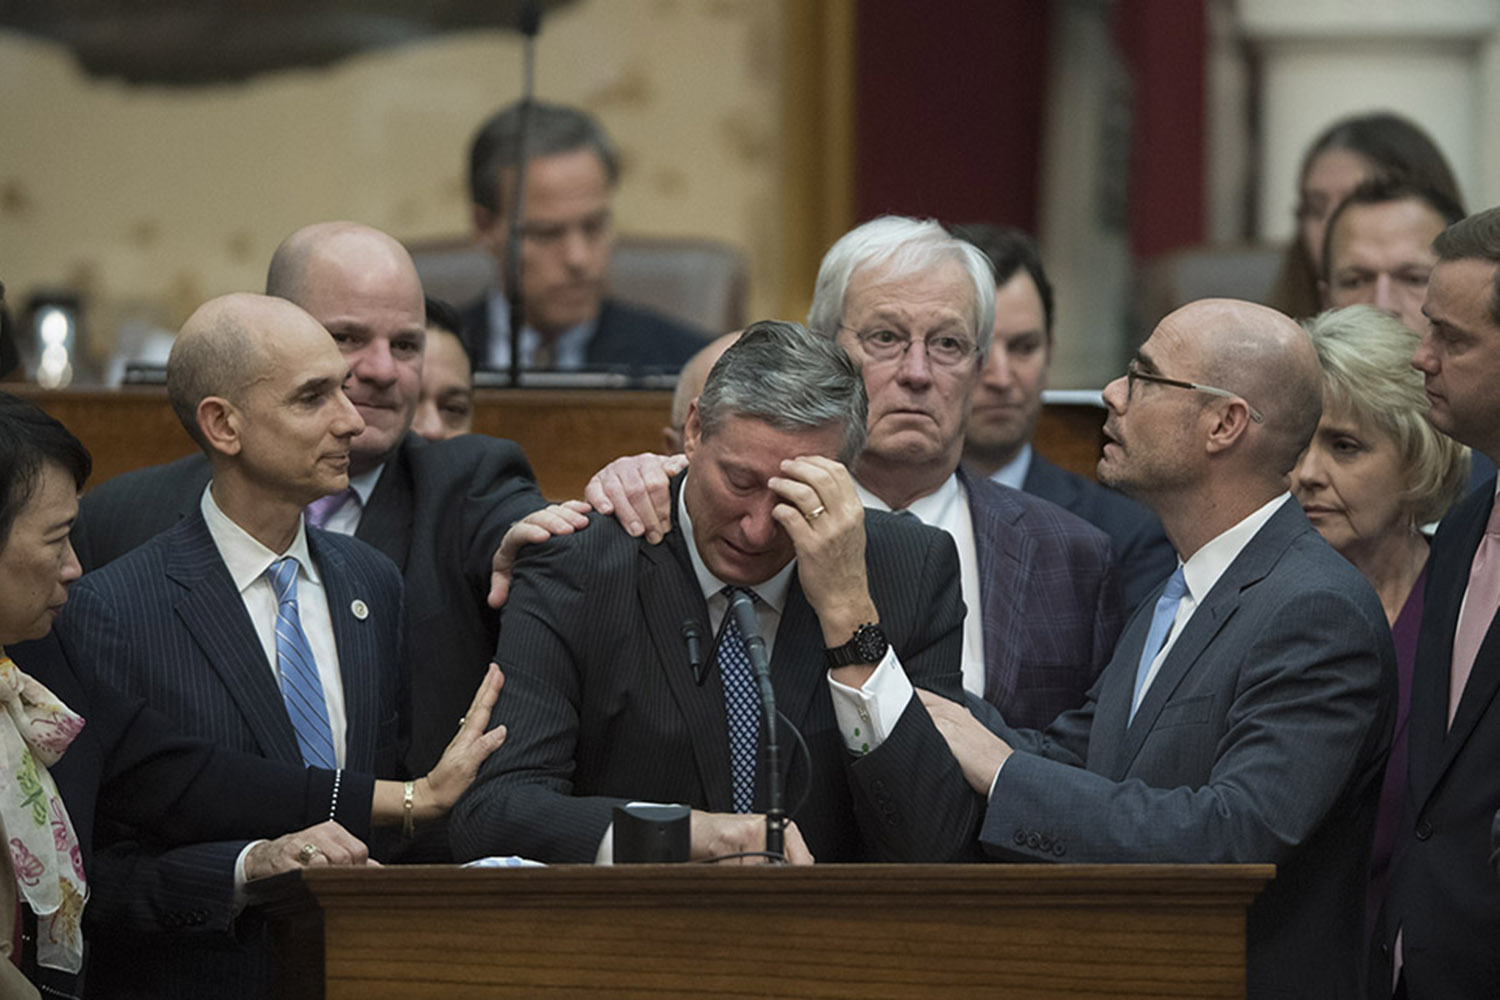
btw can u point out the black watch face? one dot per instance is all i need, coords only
(870, 642)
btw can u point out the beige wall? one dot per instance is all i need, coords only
(151, 199)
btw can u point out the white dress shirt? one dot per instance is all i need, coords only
(248, 561)
(947, 508)
(1013, 473)
(569, 349)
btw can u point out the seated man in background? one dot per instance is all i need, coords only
(437, 509)
(1247, 718)
(1008, 402)
(445, 407)
(611, 703)
(246, 628)
(566, 238)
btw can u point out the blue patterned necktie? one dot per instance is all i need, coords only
(741, 708)
(1161, 624)
(300, 686)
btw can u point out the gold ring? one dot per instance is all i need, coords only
(816, 512)
(308, 852)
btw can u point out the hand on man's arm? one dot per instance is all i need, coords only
(979, 752)
(637, 490)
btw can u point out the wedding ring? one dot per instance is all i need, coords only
(308, 852)
(816, 512)
(463, 720)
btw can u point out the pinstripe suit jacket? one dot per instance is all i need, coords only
(1051, 602)
(167, 624)
(1262, 739)
(438, 511)
(603, 707)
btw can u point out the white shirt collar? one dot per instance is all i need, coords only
(936, 508)
(1013, 473)
(1204, 568)
(246, 557)
(773, 591)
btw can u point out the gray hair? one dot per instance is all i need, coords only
(550, 129)
(781, 374)
(904, 247)
(1367, 372)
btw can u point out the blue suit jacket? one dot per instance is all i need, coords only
(1262, 739)
(1143, 556)
(1051, 603)
(167, 624)
(626, 338)
(1443, 894)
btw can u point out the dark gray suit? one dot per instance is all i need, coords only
(166, 623)
(1442, 892)
(1142, 553)
(1262, 739)
(626, 338)
(603, 707)
(438, 511)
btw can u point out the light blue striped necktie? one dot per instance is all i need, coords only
(300, 686)
(741, 708)
(1161, 624)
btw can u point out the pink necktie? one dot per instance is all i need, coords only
(1481, 601)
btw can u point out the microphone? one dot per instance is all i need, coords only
(693, 637)
(743, 608)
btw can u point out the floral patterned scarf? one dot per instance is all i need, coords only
(35, 729)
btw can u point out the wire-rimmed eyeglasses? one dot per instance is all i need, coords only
(1133, 374)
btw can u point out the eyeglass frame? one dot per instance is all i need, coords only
(1132, 373)
(957, 363)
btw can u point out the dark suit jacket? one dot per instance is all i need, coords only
(627, 338)
(1051, 602)
(167, 624)
(602, 706)
(131, 765)
(1262, 739)
(438, 511)
(1143, 556)
(1442, 893)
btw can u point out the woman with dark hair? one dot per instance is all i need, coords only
(1349, 152)
(69, 744)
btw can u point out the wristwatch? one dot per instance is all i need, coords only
(868, 645)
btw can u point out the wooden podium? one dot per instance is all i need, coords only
(863, 932)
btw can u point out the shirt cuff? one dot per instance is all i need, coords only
(239, 876)
(995, 780)
(867, 715)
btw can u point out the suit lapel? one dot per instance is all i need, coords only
(211, 609)
(387, 519)
(669, 596)
(1004, 552)
(358, 657)
(1434, 745)
(1214, 610)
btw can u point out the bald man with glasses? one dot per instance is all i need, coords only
(1246, 713)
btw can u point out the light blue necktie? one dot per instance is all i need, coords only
(1161, 624)
(741, 708)
(300, 686)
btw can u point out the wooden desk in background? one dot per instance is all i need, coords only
(569, 434)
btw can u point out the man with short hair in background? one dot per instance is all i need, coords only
(570, 322)
(1008, 403)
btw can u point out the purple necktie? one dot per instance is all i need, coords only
(1480, 603)
(320, 510)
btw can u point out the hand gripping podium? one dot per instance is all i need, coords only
(830, 931)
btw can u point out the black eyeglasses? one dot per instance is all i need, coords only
(1134, 374)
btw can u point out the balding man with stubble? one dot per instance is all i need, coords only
(1246, 713)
